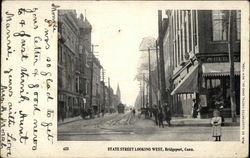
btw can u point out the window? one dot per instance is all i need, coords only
(181, 45)
(189, 31)
(177, 15)
(238, 25)
(186, 33)
(173, 29)
(195, 27)
(178, 49)
(219, 20)
(175, 54)
(175, 25)
(77, 84)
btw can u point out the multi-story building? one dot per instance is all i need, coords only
(85, 54)
(78, 68)
(68, 60)
(195, 46)
(96, 84)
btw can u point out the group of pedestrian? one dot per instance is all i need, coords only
(162, 113)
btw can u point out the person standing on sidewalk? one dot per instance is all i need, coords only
(216, 123)
(102, 111)
(160, 117)
(167, 114)
(133, 112)
(195, 108)
(155, 113)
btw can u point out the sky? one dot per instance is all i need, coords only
(118, 29)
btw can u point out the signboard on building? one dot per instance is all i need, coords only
(203, 99)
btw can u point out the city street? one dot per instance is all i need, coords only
(125, 127)
(163, 77)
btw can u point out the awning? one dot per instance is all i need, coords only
(189, 84)
(219, 69)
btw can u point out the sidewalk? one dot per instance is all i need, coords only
(177, 121)
(78, 118)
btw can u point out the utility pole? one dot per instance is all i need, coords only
(109, 95)
(158, 75)
(143, 86)
(149, 80)
(161, 55)
(231, 40)
(104, 96)
(92, 73)
(141, 94)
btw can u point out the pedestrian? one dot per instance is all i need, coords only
(102, 112)
(160, 117)
(219, 106)
(155, 113)
(90, 113)
(167, 114)
(195, 108)
(133, 111)
(139, 116)
(150, 111)
(216, 123)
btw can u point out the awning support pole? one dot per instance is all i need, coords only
(231, 36)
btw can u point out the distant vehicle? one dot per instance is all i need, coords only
(121, 108)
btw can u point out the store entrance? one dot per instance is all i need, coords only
(218, 94)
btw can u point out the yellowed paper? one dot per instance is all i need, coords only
(30, 125)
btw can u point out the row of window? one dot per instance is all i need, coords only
(220, 24)
(184, 31)
(184, 34)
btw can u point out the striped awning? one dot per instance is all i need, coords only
(189, 83)
(219, 69)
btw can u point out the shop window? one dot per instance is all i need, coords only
(219, 20)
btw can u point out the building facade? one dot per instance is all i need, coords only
(68, 60)
(78, 68)
(195, 46)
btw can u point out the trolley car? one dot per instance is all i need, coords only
(121, 108)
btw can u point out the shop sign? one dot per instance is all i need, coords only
(203, 99)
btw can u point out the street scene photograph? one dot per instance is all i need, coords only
(129, 74)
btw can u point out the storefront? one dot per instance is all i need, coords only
(216, 85)
(214, 88)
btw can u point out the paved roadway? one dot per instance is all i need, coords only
(125, 127)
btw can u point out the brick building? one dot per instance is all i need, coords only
(195, 46)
